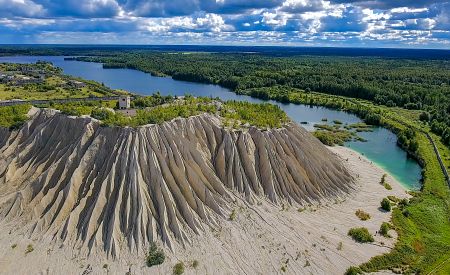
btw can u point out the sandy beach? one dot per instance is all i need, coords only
(263, 238)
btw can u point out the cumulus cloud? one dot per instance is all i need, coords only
(301, 22)
(27, 8)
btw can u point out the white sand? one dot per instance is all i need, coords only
(262, 239)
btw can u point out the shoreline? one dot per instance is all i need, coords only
(403, 184)
(263, 237)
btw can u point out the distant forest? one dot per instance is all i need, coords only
(419, 82)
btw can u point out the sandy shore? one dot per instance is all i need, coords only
(262, 239)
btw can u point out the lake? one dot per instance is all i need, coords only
(380, 147)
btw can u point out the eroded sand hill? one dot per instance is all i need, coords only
(71, 180)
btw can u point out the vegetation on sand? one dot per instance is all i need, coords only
(364, 216)
(386, 204)
(13, 117)
(384, 229)
(155, 255)
(178, 268)
(360, 234)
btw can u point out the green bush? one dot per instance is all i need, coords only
(360, 234)
(387, 186)
(13, 117)
(178, 269)
(233, 215)
(404, 202)
(353, 270)
(102, 114)
(386, 204)
(155, 255)
(384, 229)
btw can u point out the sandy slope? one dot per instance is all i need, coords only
(119, 188)
(263, 238)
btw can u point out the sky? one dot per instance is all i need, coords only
(346, 23)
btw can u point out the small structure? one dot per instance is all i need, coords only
(124, 102)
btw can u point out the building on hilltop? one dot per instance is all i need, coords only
(124, 102)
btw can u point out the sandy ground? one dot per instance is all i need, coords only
(262, 239)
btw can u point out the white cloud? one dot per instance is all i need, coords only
(208, 22)
(408, 10)
(276, 19)
(26, 8)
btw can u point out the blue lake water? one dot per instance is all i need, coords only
(380, 147)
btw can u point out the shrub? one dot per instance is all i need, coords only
(340, 246)
(102, 114)
(178, 269)
(424, 116)
(406, 213)
(233, 215)
(393, 199)
(386, 204)
(155, 255)
(307, 263)
(29, 249)
(361, 235)
(194, 264)
(364, 216)
(353, 270)
(13, 117)
(404, 202)
(384, 229)
(387, 186)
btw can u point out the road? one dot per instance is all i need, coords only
(64, 100)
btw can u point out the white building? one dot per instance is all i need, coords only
(124, 102)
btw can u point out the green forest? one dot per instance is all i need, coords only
(411, 84)
(156, 109)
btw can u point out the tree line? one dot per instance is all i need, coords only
(412, 84)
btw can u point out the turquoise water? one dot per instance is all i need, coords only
(380, 147)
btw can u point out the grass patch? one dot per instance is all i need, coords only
(361, 235)
(155, 255)
(29, 249)
(259, 115)
(233, 215)
(353, 270)
(364, 216)
(178, 268)
(12, 117)
(384, 182)
(234, 114)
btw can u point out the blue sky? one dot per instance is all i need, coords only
(360, 23)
